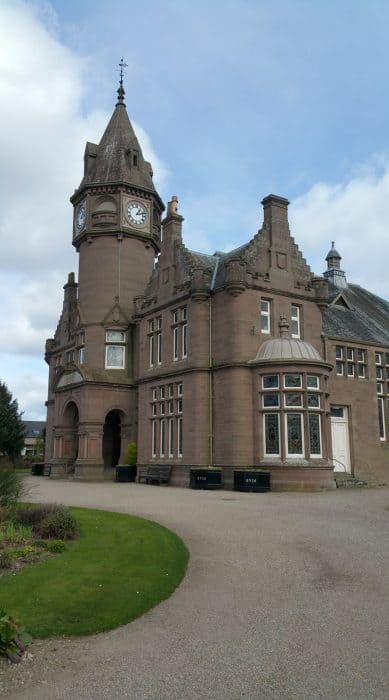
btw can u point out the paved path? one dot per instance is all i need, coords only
(284, 598)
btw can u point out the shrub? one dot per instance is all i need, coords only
(33, 515)
(131, 454)
(11, 486)
(55, 546)
(59, 525)
(13, 639)
(6, 559)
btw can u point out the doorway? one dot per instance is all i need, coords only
(112, 439)
(340, 439)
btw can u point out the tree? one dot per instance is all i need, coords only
(11, 424)
(39, 447)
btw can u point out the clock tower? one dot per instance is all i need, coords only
(116, 231)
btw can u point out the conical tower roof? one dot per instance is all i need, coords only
(118, 158)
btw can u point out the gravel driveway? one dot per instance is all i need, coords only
(286, 596)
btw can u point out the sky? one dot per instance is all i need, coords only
(231, 100)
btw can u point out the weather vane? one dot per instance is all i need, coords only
(122, 65)
(121, 91)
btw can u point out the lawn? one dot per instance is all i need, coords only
(120, 567)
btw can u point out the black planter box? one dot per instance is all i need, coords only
(125, 474)
(205, 479)
(252, 481)
(37, 469)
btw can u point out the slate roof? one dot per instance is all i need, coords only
(112, 162)
(208, 262)
(367, 319)
(216, 263)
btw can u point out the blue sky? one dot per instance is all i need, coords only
(232, 100)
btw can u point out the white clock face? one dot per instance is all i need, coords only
(81, 217)
(137, 213)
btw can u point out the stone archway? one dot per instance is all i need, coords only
(112, 439)
(70, 435)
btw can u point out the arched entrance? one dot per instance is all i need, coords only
(70, 438)
(112, 439)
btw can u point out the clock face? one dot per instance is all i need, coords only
(80, 217)
(136, 213)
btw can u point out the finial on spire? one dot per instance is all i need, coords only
(121, 90)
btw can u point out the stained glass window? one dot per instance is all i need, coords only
(292, 399)
(314, 435)
(271, 400)
(312, 381)
(381, 419)
(294, 433)
(272, 434)
(313, 401)
(270, 381)
(292, 381)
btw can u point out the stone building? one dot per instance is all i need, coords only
(224, 361)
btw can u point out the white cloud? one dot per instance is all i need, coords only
(159, 169)
(354, 214)
(43, 130)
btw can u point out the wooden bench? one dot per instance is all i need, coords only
(159, 473)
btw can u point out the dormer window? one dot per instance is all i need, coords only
(135, 159)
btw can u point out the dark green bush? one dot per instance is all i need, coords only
(55, 546)
(13, 638)
(6, 559)
(33, 515)
(59, 525)
(11, 486)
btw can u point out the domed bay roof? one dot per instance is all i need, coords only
(286, 348)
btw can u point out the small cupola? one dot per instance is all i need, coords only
(334, 274)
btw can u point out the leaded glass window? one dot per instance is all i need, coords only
(312, 381)
(381, 418)
(313, 401)
(271, 400)
(292, 381)
(294, 432)
(293, 400)
(272, 434)
(270, 381)
(314, 435)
